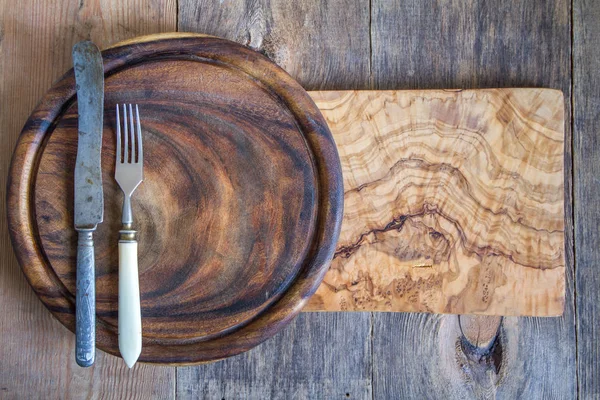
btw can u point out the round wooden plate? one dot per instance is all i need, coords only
(238, 215)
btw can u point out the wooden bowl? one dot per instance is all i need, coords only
(239, 213)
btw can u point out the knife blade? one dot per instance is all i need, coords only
(89, 199)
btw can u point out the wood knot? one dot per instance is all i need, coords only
(479, 351)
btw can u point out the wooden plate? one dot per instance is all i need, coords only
(239, 213)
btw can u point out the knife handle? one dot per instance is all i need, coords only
(85, 301)
(130, 318)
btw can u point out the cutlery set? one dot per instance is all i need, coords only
(89, 207)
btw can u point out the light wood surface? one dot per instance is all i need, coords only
(37, 357)
(454, 202)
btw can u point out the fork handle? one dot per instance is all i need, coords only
(130, 318)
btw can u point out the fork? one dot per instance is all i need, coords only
(129, 173)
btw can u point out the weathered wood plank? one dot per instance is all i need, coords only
(472, 44)
(586, 146)
(320, 356)
(420, 356)
(323, 44)
(451, 44)
(37, 353)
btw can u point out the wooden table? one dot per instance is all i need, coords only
(338, 45)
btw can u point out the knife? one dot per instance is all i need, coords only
(89, 200)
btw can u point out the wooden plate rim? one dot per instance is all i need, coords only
(30, 146)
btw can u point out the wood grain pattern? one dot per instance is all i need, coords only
(238, 215)
(37, 353)
(444, 44)
(452, 44)
(332, 54)
(443, 363)
(322, 44)
(474, 44)
(292, 365)
(418, 44)
(586, 128)
(454, 202)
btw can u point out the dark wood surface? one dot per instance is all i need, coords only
(586, 156)
(220, 152)
(447, 43)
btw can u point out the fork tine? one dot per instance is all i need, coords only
(132, 135)
(118, 137)
(140, 148)
(125, 136)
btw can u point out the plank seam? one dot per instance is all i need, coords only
(574, 248)
(371, 44)
(175, 372)
(177, 15)
(371, 337)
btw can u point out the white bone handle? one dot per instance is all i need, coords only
(130, 317)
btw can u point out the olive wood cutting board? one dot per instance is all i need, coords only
(453, 202)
